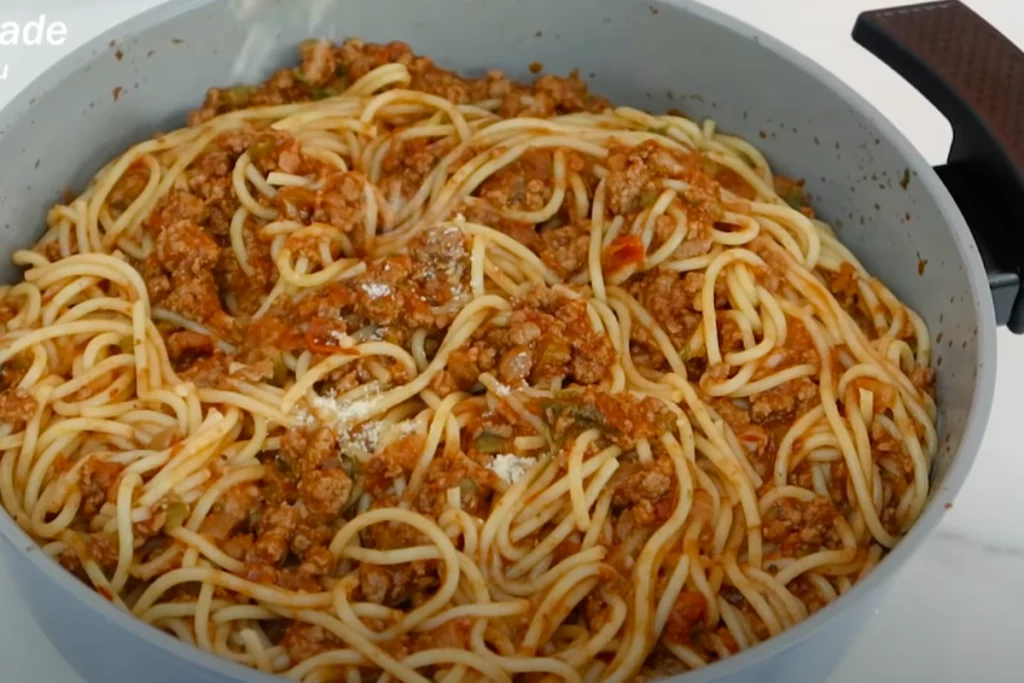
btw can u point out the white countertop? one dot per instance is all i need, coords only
(953, 613)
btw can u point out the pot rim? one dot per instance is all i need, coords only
(979, 412)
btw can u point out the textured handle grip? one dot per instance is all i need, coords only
(975, 76)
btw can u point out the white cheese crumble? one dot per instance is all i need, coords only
(510, 468)
(376, 290)
(341, 415)
(302, 417)
(331, 411)
(361, 441)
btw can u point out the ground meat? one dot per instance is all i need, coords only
(395, 296)
(9, 308)
(383, 295)
(248, 291)
(102, 549)
(204, 371)
(407, 163)
(231, 510)
(212, 183)
(16, 406)
(631, 183)
(924, 379)
(185, 347)
(303, 492)
(306, 451)
(179, 274)
(318, 561)
(659, 664)
(797, 528)
(629, 536)
(687, 613)
(146, 529)
(843, 285)
(395, 585)
(317, 61)
(325, 493)
(128, 187)
(215, 369)
(12, 373)
(897, 467)
(358, 58)
(784, 401)
(487, 214)
(454, 633)
(647, 482)
(440, 265)
(556, 332)
(524, 185)
(807, 593)
(275, 527)
(672, 299)
(173, 207)
(328, 70)
(733, 182)
(97, 481)
(374, 582)
(759, 442)
(474, 481)
(648, 489)
(303, 641)
(285, 85)
(566, 95)
(70, 560)
(290, 579)
(565, 249)
(778, 265)
(342, 201)
(549, 96)
(838, 476)
(396, 459)
(624, 418)
(314, 564)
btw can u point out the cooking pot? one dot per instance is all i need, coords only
(942, 239)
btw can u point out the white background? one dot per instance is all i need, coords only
(955, 612)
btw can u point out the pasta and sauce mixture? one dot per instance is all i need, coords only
(376, 372)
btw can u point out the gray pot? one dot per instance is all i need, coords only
(889, 206)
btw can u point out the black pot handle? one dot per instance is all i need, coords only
(975, 76)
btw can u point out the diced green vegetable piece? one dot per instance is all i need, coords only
(647, 198)
(794, 196)
(489, 442)
(467, 486)
(350, 466)
(323, 93)
(555, 353)
(177, 513)
(262, 148)
(236, 97)
(583, 416)
(588, 415)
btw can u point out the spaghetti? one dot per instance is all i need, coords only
(378, 373)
